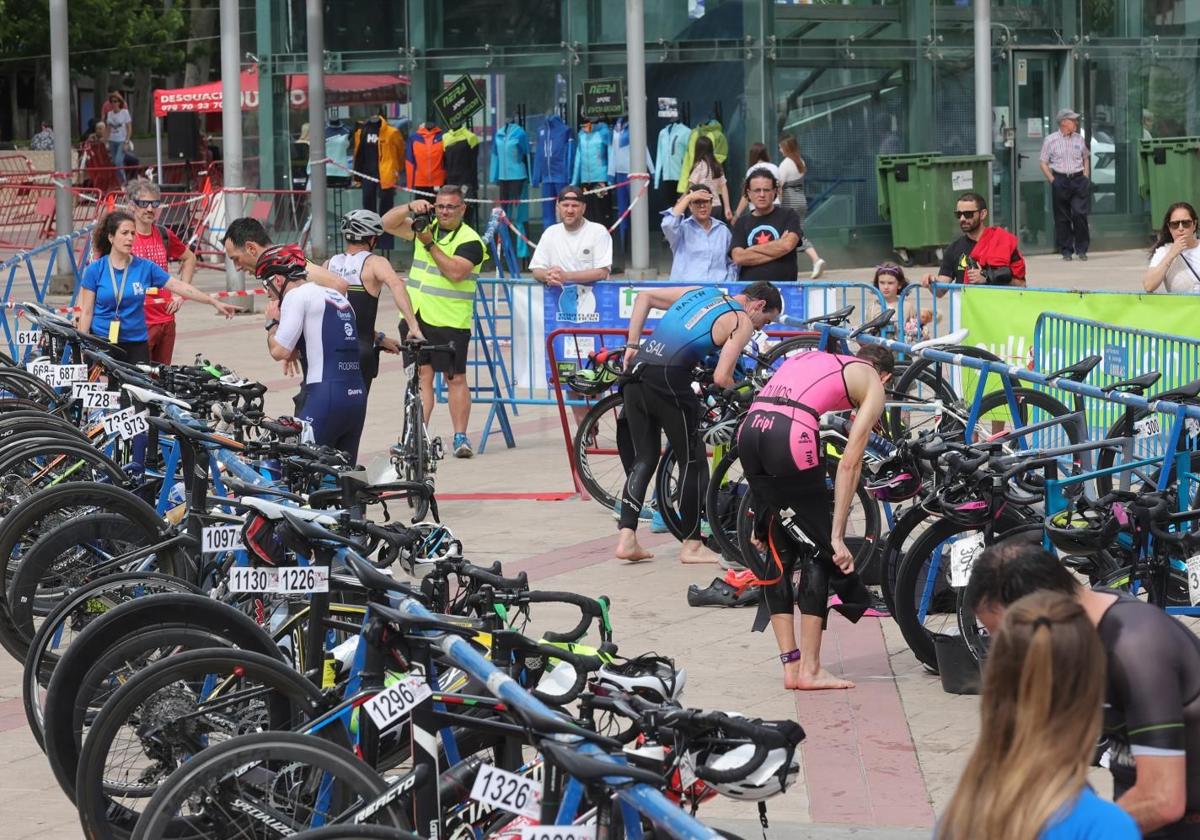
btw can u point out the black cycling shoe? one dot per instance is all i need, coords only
(721, 594)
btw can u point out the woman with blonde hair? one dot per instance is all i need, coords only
(791, 193)
(1043, 689)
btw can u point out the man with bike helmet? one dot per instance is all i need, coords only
(1151, 734)
(245, 240)
(699, 321)
(315, 325)
(367, 274)
(798, 525)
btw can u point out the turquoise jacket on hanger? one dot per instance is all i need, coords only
(510, 154)
(591, 155)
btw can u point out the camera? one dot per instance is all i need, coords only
(420, 221)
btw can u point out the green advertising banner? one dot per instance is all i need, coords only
(1002, 321)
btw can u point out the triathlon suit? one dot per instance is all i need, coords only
(660, 399)
(1152, 703)
(366, 306)
(320, 323)
(779, 444)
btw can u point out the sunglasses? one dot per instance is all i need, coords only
(965, 214)
(1181, 224)
(147, 203)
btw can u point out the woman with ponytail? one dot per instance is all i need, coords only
(1043, 689)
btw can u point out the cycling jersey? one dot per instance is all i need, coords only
(366, 307)
(684, 335)
(805, 387)
(320, 323)
(1152, 705)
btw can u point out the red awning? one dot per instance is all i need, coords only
(340, 89)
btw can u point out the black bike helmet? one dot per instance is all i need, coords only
(604, 366)
(897, 480)
(1086, 529)
(964, 504)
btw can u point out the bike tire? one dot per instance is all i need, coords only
(725, 497)
(264, 751)
(356, 832)
(73, 614)
(602, 475)
(140, 706)
(1124, 427)
(414, 461)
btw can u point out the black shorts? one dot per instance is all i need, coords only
(446, 362)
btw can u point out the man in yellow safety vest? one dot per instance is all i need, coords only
(447, 256)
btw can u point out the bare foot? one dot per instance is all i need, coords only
(822, 680)
(628, 548)
(695, 552)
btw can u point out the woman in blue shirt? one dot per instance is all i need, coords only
(114, 288)
(1043, 689)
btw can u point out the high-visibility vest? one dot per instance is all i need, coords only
(441, 302)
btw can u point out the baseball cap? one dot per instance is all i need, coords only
(1066, 114)
(570, 194)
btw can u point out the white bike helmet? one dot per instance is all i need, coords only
(358, 225)
(777, 772)
(649, 676)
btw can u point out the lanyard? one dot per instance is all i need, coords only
(118, 293)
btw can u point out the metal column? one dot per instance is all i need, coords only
(231, 126)
(639, 218)
(318, 239)
(60, 89)
(983, 84)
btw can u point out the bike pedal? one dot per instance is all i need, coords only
(436, 450)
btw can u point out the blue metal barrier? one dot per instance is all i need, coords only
(1060, 340)
(39, 285)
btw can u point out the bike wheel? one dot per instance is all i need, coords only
(356, 832)
(29, 469)
(996, 415)
(413, 456)
(727, 488)
(923, 381)
(172, 711)
(122, 642)
(597, 461)
(72, 616)
(1145, 447)
(263, 785)
(72, 555)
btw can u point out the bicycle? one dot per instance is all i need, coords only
(416, 455)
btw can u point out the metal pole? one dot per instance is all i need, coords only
(158, 148)
(231, 125)
(318, 241)
(983, 85)
(635, 51)
(60, 89)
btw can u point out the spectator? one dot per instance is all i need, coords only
(758, 159)
(699, 243)
(1152, 703)
(983, 254)
(791, 189)
(43, 141)
(1175, 259)
(574, 250)
(1066, 164)
(765, 242)
(117, 118)
(1039, 718)
(707, 171)
(1147, 124)
(890, 281)
(161, 246)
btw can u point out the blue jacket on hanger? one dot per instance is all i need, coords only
(591, 155)
(672, 146)
(510, 154)
(618, 156)
(554, 153)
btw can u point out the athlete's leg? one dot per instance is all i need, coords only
(680, 419)
(352, 416)
(646, 440)
(460, 401)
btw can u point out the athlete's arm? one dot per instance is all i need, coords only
(380, 271)
(642, 304)
(866, 391)
(284, 336)
(1159, 798)
(324, 277)
(768, 251)
(732, 349)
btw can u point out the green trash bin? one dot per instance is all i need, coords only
(918, 192)
(1168, 171)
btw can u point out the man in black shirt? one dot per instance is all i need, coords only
(963, 262)
(1151, 736)
(764, 243)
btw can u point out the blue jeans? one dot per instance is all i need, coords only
(116, 151)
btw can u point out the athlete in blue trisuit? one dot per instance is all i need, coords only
(318, 325)
(699, 321)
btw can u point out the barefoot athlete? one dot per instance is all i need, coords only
(779, 444)
(699, 321)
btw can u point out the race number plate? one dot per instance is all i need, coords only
(126, 423)
(963, 553)
(1193, 572)
(396, 701)
(217, 538)
(558, 832)
(1147, 427)
(302, 580)
(246, 579)
(498, 788)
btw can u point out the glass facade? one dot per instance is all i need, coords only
(850, 81)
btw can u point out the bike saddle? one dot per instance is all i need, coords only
(878, 322)
(1136, 385)
(832, 318)
(587, 769)
(1078, 371)
(275, 511)
(1188, 391)
(147, 397)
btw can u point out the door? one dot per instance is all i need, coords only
(1042, 83)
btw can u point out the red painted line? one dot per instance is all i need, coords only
(860, 763)
(556, 496)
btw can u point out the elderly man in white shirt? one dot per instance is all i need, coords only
(1067, 166)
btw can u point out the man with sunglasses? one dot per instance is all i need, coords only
(983, 254)
(161, 246)
(447, 256)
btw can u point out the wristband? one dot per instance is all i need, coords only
(791, 656)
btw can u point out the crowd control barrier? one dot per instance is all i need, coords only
(28, 213)
(27, 280)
